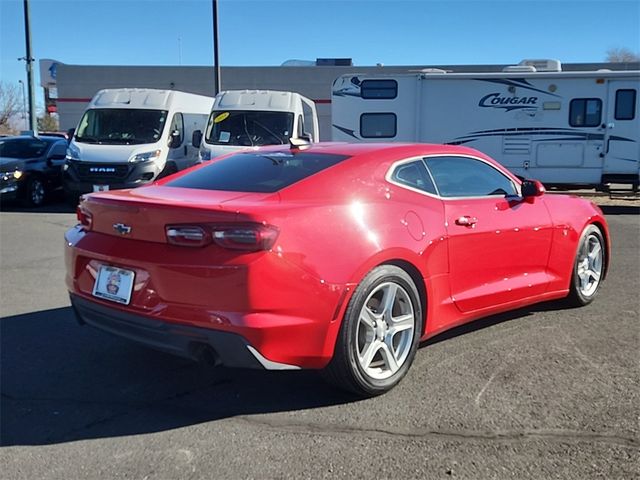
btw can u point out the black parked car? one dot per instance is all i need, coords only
(31, 167)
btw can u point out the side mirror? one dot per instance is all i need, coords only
(56, 156)
(532, 188)
(70, 133)
(175, 139)
(196, 138)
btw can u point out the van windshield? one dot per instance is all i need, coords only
(249, 128)
(121, 126)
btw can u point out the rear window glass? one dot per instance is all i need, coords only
(253, 172)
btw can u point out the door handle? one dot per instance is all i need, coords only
(467, 221)
(185, 150)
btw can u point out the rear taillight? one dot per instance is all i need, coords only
(84, 217)
(246, 237)
(188, 236)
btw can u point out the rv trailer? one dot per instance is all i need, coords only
(568, 129)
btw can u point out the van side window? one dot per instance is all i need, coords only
(308, 121)
(378, 89)
(378, 125)
(177, 124)
(625, 104)
(300, 126)
(585, 112)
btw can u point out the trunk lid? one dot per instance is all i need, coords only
(143, 213)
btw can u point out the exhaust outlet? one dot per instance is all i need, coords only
(203, 353)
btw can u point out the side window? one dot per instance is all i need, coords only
(468, 177)
(379, 89)
(59, 149)
(414, 175)
(378, 125)
(585, 112)
(625, 104)
(177, 124)
(300, 126)
(308, 121)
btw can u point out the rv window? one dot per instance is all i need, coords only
(468, 177)
(379, 89)
(585, 112)
(378, 125)
(414, 175)
(625, 105)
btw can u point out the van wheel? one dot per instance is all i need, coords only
(169, 169)
(379, 335)
(588, 267)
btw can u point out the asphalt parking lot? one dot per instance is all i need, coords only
(543, 392)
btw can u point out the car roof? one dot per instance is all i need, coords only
(39, 137)
(364, 149)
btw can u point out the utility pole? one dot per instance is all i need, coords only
(24, 106)
(33, 122)
(216, 62)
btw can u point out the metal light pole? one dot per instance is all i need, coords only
(216, 63)
(24, 106)
(33, 122)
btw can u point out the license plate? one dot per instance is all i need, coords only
(101, 188)
(114, 284)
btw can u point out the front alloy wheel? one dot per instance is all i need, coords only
(379, 335)
(588, 268)
(35, 192)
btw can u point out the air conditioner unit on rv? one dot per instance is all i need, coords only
(544, 65)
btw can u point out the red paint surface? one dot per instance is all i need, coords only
(334, 227)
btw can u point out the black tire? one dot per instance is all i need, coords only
(582, 293)
(346, 369)
(35, 192)
(169, 169)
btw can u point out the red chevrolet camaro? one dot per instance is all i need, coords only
(336, 257)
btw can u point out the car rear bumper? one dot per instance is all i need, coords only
(228, 349)
(277, 308)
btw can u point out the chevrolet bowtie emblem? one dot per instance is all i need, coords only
(122, 229)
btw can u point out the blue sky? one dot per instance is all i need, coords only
(268, 32)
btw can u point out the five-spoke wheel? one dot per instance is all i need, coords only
(588, 267)
(380, 333)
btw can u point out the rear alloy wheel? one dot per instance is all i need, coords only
(36, 192)
(379, 335)
(588, 267)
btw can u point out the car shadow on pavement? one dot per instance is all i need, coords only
(620, 209)
(57, 206)
(61, 382)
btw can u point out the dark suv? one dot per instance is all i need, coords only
(31, 167)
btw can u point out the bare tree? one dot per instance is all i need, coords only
(622, 55)
(9, 105)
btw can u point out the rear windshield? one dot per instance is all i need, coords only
(253, 172)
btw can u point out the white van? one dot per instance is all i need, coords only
(242, 119)
(131, 136)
